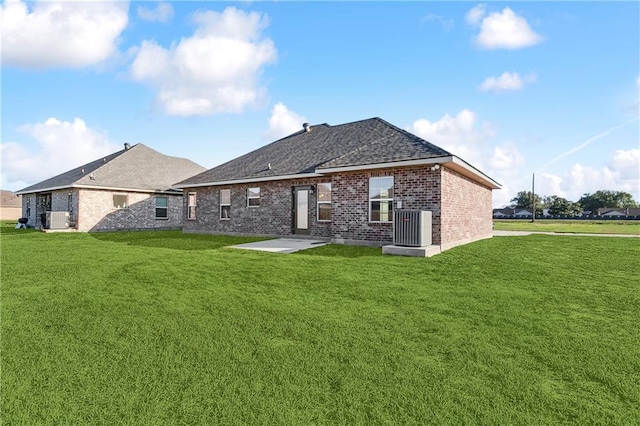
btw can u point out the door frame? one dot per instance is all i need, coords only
(294, 209)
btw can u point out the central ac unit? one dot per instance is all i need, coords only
(412, 228)
(57, 220)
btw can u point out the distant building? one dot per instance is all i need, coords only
(129, 189)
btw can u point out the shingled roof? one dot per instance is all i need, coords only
(323, 149)
(137, 168)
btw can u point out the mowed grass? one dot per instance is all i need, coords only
(165, 328)
(628, 227)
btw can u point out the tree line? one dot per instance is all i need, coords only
(559, 206)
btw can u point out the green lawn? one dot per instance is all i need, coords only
(163, 328)
(629, 227)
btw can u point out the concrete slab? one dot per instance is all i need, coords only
(424, 251)
(281, 245)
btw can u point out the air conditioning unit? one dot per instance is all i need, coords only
(57, 220)
(412, 228)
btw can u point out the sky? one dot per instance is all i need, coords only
(513, 88)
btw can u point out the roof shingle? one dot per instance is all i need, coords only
(136, 168)
(370, 141)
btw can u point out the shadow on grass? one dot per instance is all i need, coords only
(175, 240)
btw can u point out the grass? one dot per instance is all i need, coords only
(628, 227)
(165, 328)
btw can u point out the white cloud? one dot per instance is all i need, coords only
(475, 15)
(622, 173)
(61, 146)
(162, 13)
(60, 34)
(507, 82)
(506, 157)
(502, 30)
(283, 122)
(475, 142)
(460, 134)
(214, 71)
(447, 24)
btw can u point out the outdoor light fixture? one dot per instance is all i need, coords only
(435, 167)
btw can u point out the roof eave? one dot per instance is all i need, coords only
(248, 180)
(104, 188)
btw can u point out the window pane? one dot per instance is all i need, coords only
(161, 212)
(161, 202)
(381, 187)
(381, 211)
(120, 201)
(192, 199)
(254, 192)
(324, 211)
(225, 212)
(225, 196)
(324, 192)
(254, 202)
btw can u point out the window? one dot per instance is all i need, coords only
(324, 202)
(381, 199)
(191, 206)
(28, 212)
(225, 203)
(253, 197)
(162, 208)
(120, 201)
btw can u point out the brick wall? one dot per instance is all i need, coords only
(466, 210)
(416, 187)
(273, 217)
(96, 211)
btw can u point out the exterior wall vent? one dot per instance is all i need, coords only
(412, 228)
(57, 220)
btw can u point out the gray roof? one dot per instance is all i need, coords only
(371, 141)
(137, 168)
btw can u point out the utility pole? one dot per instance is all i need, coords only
(533, 198)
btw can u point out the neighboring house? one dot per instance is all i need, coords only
(522, 213)
(10, 205)
(622, 212)
(341, 183)
(505, 212)
(129, 189)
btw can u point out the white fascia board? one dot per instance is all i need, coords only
(421, 162)
(107, 188)
(487, 180)
(250, 180)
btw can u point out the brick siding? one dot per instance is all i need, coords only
(93, 210)
(416, 187)
(466, 210)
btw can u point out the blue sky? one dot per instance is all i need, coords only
(511, 87)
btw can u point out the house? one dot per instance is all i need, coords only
(618, 212)
(341, 183)
(10, 205)
(504, 212)
(129, 189)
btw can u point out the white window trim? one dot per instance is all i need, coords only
(249, 197)
(371, 200)
(195, 203)
(224, 205)
(323, 202)
(166, 208)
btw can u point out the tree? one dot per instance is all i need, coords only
(523, 200)
(604, 198)
(559, 206)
